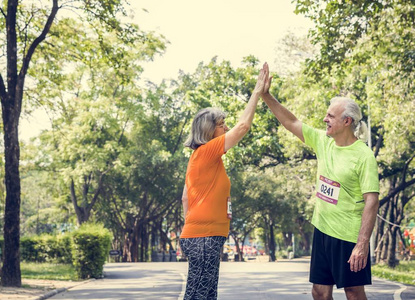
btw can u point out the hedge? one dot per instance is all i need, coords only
(47, 248)
(91, 244)
(86, 248)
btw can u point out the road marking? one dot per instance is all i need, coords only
(181, 296)
(397, 294)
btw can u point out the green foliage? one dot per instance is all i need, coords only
(46, 248)
(366, 53)
(44, 207)
(404, 272)
(218, 84)
(338, 26)
(91, 244)
(86, 249)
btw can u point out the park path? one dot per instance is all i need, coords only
(282, 280)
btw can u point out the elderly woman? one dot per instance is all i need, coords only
(206, 194)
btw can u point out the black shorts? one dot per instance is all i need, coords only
(329, 264)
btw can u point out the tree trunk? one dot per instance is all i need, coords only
(11, 274)
(381, 234)
(130, 248)
(238, 248)
(384, 252)
(394, 219)
(272, 244)
(305, 240)
(391, 256)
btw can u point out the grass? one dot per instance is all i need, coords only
(48, 271)
(404, 272)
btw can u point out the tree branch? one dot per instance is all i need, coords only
(378, 145)
(74, 200)
(34, 45)
(98, 191)
(395, 191)
(181, 133)
(3, 13)
(120, 220)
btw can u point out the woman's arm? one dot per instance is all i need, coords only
(185, 201)
(234, 135)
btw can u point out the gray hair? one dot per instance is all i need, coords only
(203, 127)
(352, 110)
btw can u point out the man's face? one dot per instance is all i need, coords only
(336, 125)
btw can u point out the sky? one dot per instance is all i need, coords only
(199, 30)
(230, 29)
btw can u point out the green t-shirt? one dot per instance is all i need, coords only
(344, 174)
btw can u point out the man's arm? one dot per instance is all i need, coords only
(185, 201)
(284, 116)
(358, 258)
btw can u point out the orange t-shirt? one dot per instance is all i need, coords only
(208, 188)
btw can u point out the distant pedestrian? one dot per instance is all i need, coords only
(347, 196)
(206, 194)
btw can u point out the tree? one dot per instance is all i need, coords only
(11, 92)
(366, 53)
(142, 197)
(94, 90)
(24, 30)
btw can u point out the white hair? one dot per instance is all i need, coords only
(203, 127)
(352, 110)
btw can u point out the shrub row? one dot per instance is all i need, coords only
(86, 248)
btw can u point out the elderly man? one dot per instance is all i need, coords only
(347, 196)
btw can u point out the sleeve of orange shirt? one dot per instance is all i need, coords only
(214, 148)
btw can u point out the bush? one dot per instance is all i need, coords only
(91, 244)
(46, 248)
(28, 249)
(64, 251)
(86, 249)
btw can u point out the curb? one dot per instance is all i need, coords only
(60, 290)
(52, 293)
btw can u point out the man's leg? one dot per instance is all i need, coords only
(355, 292)
(322, 292)
(320, 269)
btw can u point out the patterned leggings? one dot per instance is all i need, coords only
(204, 257)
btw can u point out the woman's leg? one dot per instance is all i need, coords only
(213, 259)
(193, 248)
(204, 259)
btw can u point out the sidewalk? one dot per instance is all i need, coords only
(36, 289)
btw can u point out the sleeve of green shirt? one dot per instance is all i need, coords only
(368, 174)
(312, 136)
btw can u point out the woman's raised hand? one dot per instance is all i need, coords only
(263, 82)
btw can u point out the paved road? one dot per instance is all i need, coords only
(282, 280)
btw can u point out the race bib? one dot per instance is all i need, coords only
(328, 190)
(229, 210)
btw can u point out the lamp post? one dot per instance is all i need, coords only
(372, 237)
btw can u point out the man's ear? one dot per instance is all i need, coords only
(348, 121)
